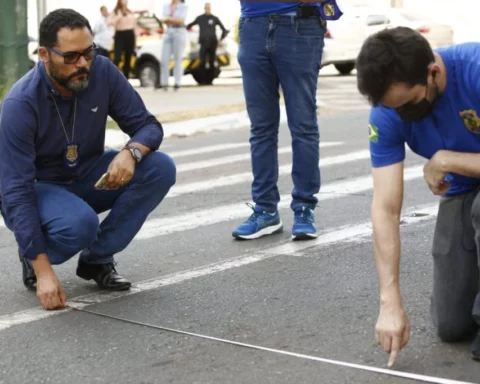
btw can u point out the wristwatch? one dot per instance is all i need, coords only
(136, 152)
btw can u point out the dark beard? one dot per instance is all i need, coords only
(66, 81)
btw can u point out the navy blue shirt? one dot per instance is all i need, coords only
(33, 142)
(329, 9)
(454, 124)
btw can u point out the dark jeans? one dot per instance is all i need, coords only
(282, 51)
(455, 304)
(68, 213)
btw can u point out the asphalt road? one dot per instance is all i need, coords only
(317, 298)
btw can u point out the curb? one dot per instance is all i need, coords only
(115, 138)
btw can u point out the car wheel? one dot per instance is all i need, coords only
(345, 68)
(148, 74)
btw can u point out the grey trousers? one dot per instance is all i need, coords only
(455, 302)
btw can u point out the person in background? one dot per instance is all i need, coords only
(428, 100)
(281, 45)
(208, 39)
(125, 23)
(102, 33)
(174, 42)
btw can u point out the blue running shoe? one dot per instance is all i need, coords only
(259, 224)
(304, 224)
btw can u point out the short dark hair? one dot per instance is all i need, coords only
(397, 55)
(58, 19)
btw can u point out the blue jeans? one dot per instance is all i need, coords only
(68, 212)
(286, 51)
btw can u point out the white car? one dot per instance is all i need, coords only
(345, 36)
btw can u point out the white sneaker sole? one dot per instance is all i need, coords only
(305, 236)
(263, 232)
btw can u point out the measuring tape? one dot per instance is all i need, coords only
(413, 376)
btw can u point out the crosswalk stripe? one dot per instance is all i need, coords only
(245, 177)
(237, 158)
(208, 149)
(178, 223)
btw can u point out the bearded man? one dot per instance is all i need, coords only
(52, 155)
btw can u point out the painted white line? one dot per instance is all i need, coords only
(208, 149)
(179, 223)
(334, 236)
(246, 177)
(237, 158)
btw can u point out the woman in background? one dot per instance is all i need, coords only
(174, 41)
(124, 22)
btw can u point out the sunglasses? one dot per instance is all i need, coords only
(73, 57)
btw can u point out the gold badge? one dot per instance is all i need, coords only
(72, 153)
(329, 10)
(471, 120)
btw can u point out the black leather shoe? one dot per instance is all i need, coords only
(476, 348)
(28, 274)
(105, 275)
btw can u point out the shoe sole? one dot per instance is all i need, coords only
(305, 236)
(271, 230)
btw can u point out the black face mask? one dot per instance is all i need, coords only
(415, 112)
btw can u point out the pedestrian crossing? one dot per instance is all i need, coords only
(225, 171)
(340, 93)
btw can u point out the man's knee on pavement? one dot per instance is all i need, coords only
(74, 232)
(453, 329)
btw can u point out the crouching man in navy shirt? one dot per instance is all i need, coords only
(429, 101)
(52, 134)
(281, 45)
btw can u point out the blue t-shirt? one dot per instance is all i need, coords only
(329, 9)
(454, 124)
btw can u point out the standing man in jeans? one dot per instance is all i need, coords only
(281, 45)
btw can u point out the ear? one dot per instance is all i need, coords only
(43, 54)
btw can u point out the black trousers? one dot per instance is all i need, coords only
(208, 50)
(124, 42)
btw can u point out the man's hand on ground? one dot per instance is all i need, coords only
(50, 292)
(392, 331)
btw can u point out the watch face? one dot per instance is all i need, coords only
(138, 153)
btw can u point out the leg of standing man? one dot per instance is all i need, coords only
(291, 51)
(167, 50)
(180, 40)
(261, 89)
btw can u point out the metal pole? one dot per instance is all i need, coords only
(41, 11)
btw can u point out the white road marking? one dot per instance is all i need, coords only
(208, 149)
(236, 158)
(179, 223)
(246, 177)
(353, 233)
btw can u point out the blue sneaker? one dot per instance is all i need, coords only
(304, 224)
(259, 224)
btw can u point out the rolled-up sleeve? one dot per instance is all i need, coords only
(128, 110)
(17, 176)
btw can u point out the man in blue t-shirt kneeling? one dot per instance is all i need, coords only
(430, 101)
(281, 45)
